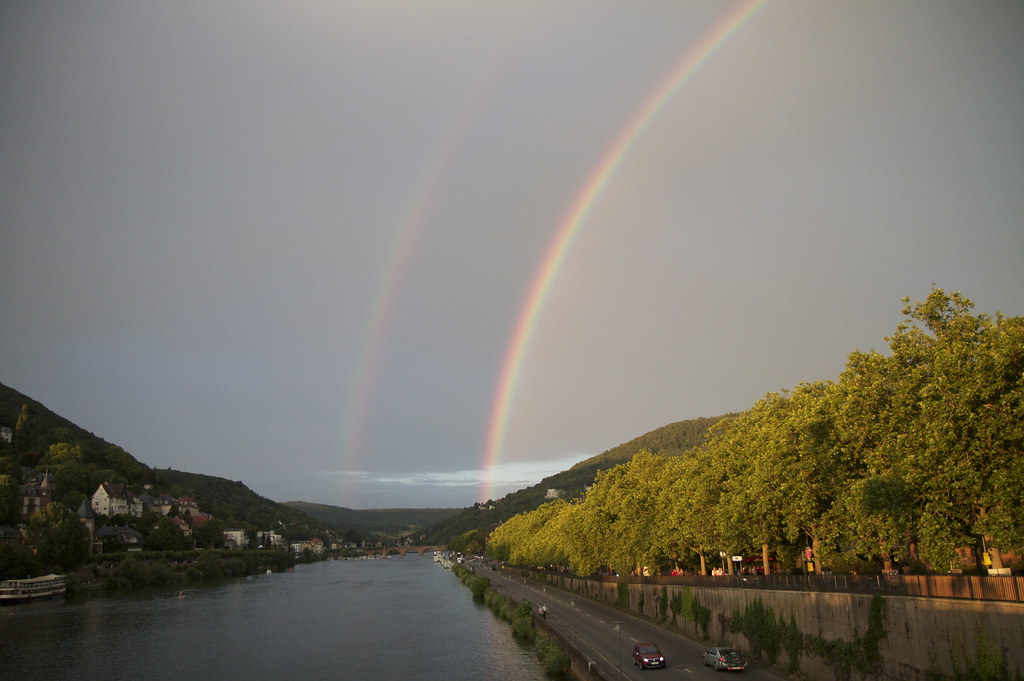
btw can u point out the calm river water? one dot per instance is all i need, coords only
(401, 618)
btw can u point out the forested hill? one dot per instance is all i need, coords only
(377, 523)
(80, 461)
(671, 440)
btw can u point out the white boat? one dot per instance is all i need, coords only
(34, 589)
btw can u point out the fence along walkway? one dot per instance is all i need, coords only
(978, 588)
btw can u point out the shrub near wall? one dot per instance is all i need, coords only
(552, 657)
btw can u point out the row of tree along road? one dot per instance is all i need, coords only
(910, 460)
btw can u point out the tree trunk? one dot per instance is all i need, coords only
(764, 559)
(994, 554)
(816, 553)
(703, 564)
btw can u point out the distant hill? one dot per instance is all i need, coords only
(675, 439)
(101, 461)
(377, 523)
(234, 503)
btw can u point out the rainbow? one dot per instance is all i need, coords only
(401, 251)
(569, 227)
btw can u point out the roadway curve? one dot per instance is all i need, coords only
(592, 626)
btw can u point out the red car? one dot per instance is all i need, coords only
(648, 655)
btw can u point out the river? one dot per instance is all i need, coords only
(400, 618)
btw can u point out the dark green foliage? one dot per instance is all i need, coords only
(37, 429)
(987, 663)
(80, 461)
(520, 617)
(676, 603)
(166, 537)
(792, 643)
(175, 568)
(387, 524)
(17, 562)
(623, 594)
(556, 662)
(663, 605)
(238, 506)
(469, 543)
(58, 538)
(479, 585)
(685, 603)
(768, 634)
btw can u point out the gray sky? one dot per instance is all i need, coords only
(289, 243)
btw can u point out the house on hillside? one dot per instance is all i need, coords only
(185, 528)
(553, 493)
(271, 540)
(119, 539)
(187, 507)
(113, 499)
(235, 539)
(163, 504)
(313, 545)
(35, 494)
(147, 500)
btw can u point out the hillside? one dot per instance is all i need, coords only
(671, 440)
(377, 523)
(94, 460)
(83, 461)
(234, 503)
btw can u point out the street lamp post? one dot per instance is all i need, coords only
(572, 604)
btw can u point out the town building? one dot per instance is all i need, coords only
(112, 499)
(35, 494)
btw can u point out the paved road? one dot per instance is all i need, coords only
(592, 626)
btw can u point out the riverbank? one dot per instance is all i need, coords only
(520, 616)
(145, 569)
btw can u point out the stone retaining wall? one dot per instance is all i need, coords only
(912, 639)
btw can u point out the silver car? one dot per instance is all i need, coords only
(724, 658)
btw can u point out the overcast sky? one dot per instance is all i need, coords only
(292, 243)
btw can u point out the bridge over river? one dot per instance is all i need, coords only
(402, 550)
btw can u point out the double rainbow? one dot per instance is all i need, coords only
(580, 208)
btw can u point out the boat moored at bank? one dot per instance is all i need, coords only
(34, 589)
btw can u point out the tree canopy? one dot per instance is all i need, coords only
(908, 456)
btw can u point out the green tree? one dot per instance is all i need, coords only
(950, 413)
(166, 537)
(63, 452)
(17, 562)
(209, 535)
(117, 459)
(58, 537)
(10, 509)
(690, 495)
(619, 515)
(22, 422)
(545, 543)
(787, 471)
(471, 542)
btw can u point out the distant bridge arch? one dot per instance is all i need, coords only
(402, 550)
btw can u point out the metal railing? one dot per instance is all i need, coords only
(979, 588)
